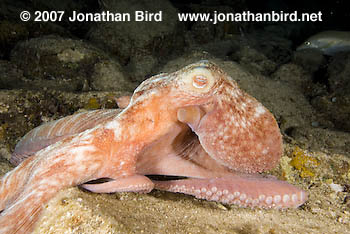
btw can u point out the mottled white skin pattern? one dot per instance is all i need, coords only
(195, 123)
(38, 138)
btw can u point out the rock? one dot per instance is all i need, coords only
(11, 77)
(140, 67)
(255, 61)
(311, 60)
(58, 63)
(336, 107)
(136, 41)
(292, 74)
(11, 32)
(320, 138)
(203, 32)
(108, 76)
(276, 48)
(263, 52)
(335, 103)
(339, 73)
(221, 49)
(260, 52)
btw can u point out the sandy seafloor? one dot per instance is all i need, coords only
(316, 159)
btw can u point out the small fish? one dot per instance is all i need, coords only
(328, 42)
(195, 123)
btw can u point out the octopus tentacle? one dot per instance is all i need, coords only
(21, 215)
(12, 183)
(25, 205)
(51, 132)
(81, 159)
(247, 191)
(134, 183)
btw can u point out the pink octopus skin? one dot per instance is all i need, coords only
(195, 123)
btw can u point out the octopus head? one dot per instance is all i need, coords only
(234, 129)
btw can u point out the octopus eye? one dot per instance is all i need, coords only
(307, 43)
(199, 81)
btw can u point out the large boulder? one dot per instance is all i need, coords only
(139, 44)
(58, 63)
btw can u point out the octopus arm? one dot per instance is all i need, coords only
(133, 183)
(54, 131)
(241, 190)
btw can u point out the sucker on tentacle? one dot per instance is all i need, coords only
(228, 190)
(193, 123)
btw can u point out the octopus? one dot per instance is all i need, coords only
(195, 124)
